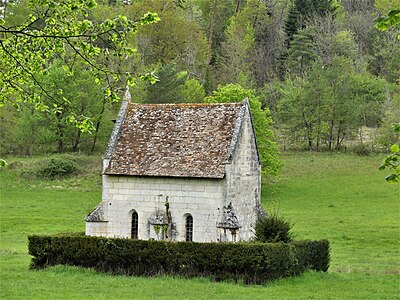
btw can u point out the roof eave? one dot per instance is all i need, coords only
(221, 176)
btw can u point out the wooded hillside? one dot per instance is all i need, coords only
(320, 68)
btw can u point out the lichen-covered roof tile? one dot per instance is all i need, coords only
(179, 140)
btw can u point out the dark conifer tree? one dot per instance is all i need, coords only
(301, 11)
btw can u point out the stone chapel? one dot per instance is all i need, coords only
(180, 172)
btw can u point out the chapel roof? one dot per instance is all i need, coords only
(178, 140)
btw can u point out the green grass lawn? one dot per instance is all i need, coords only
(342, 198)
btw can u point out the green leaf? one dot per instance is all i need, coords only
(91, 4)
(16, 106)
(382, 26)
(150, 77)
(131, 81)
(107, 92)
(149, 18)
(71, 119)
(3, 163)
(393, 13)
(392, 178)
(395, 148)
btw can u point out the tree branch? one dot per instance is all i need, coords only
(27, 71)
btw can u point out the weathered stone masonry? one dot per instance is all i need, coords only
(223, 200)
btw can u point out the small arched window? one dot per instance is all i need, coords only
(134, 226)
(189, 228)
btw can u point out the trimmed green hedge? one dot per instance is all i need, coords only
(252, 262)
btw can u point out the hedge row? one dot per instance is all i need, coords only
(251, 262)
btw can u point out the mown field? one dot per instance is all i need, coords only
(340, 197)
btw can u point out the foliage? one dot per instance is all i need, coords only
(54, 29)
(267, 147)
(391, 20)
(58, 167)
(174, 86)
(361, 149)
(255, 263)
(302, 11)
(273, 229)
(192, 91)
(307, 192)
(330, 103)
(3, 164)
(176, 39)
(301, 53)
(252, 43)
(237, 57)
(168, 89)
(387, 136)
(392, 161)
(78, 106)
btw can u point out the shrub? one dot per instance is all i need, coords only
(273, 229)
(313, 255)
(58, 167)
(362, 150)
(253, 263)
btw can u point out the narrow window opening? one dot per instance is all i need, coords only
(134, 228)
(189, 228)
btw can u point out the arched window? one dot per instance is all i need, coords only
(189, 228)
(134, 226)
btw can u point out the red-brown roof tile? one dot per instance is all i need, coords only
(183, 140)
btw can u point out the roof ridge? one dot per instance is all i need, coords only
(187, 104)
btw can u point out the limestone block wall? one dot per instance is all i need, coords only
(96, 228)
(243, 179)
(122, 195)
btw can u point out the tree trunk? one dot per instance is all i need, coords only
(60, 137)
(308, 131)
(338, 141)
(77, 140)
(331, 136)
(95, 136)
(210, 37)
(96, 132)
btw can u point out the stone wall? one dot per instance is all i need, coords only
(200, 198)
(222, 209)
(243, 177)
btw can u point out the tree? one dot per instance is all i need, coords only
(331, 103)
(392, 161)
(302, 52)
(214, 20)
(174, 86)
(175, 39)
(168, 88)
(302, 11)
(78, 101)
(391, 20)
(262, 21)
(387, 136)
(358, 17)
(268, 149)
(4, 6)
(237, 58)
(63, 30)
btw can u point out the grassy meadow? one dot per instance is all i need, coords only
(340, 197)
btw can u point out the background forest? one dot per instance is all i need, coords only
(319, 69)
